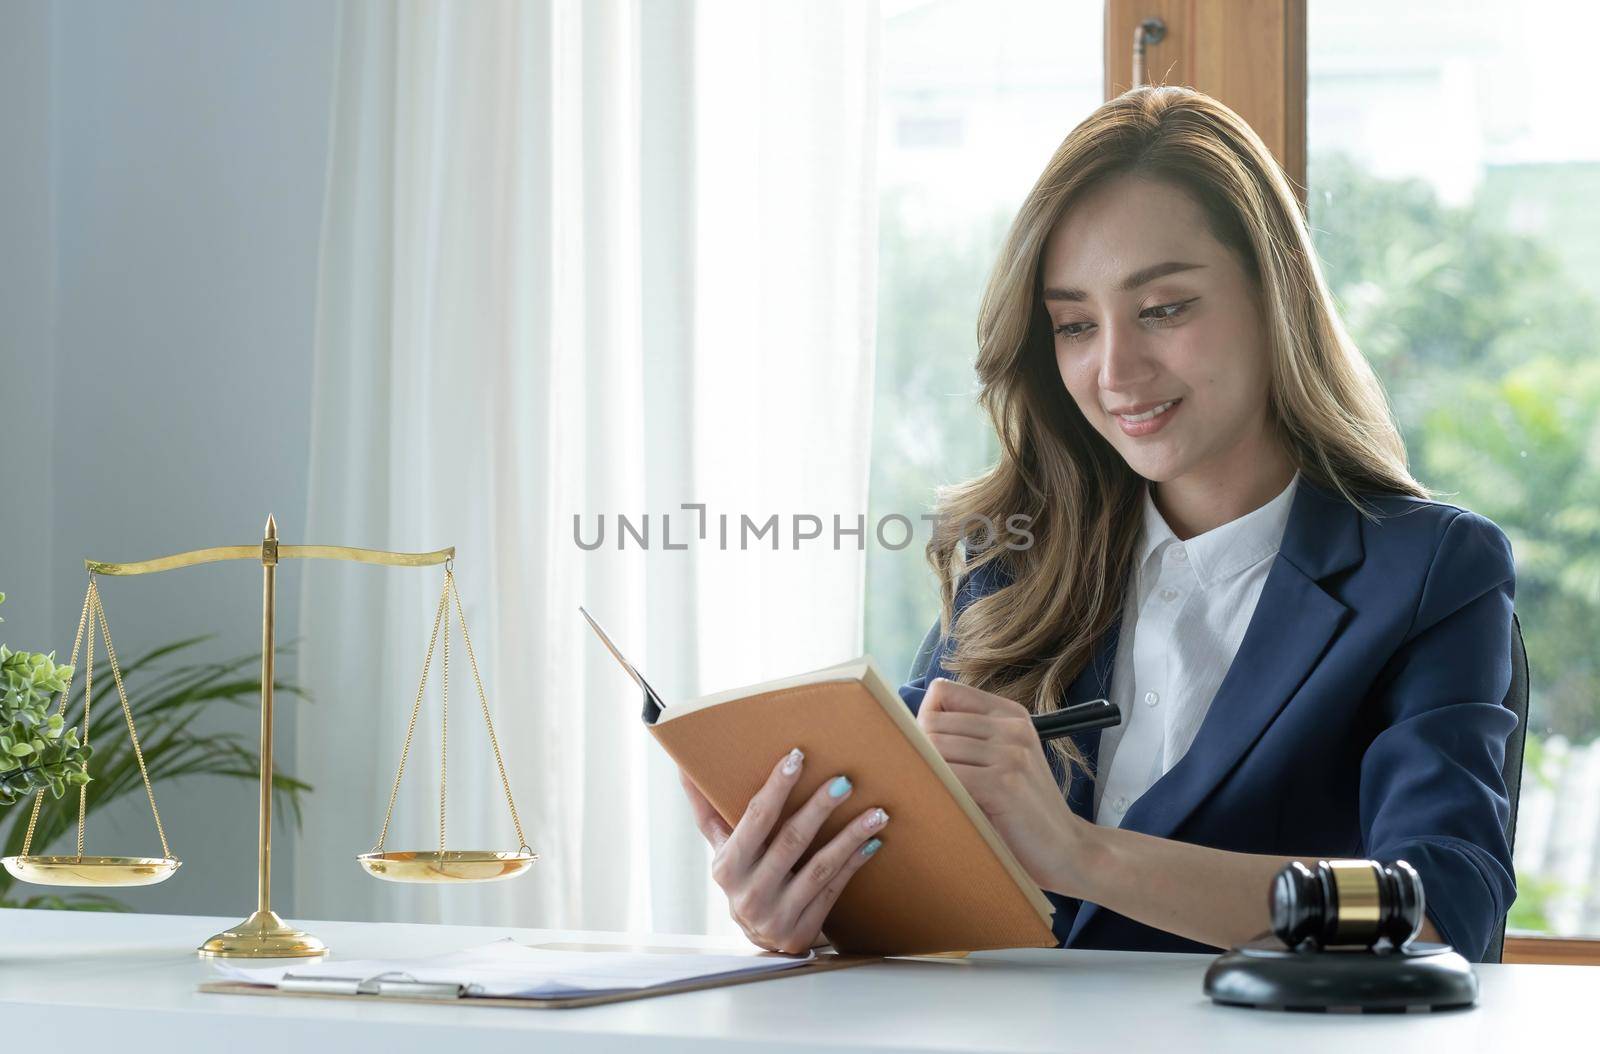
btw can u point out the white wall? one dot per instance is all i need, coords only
(168, 380)
(27, 324)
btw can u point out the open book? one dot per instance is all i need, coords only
(943, 881)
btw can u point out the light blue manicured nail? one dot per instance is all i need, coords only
(871, 847)
(839, 787)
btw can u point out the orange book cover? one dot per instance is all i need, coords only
(943, 881)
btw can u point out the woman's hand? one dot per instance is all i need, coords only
(778, 909)
(990, 744)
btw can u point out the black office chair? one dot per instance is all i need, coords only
(1516, 701)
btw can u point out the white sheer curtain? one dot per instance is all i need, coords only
(580, 259)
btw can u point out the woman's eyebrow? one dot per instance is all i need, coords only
(1130, 283)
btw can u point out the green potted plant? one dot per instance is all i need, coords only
(37, 751)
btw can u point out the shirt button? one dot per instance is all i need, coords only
(1169, 594)
(1180, 554)
(1151, 698)
(1121, 804)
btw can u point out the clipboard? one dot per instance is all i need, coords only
(400, 992)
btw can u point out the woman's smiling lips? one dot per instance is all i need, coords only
(1145, 419)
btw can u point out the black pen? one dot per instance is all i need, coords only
(1069, 720)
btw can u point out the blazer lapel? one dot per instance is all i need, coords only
(1093, 682)
(1292, 626)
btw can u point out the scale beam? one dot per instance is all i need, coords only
(284, 552)
(264, 934)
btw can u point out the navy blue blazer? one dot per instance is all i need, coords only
(1362, 716)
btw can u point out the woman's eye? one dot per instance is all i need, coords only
(1167, 312)
(1160, 315)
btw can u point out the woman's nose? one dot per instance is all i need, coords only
(1126, 366)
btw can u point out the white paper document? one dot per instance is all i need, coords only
(508, 969)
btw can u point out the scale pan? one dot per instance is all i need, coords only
(453, 865)
(92, 870)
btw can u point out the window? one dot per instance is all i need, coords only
(1452, 174)
(976, 97)
(1453, 166)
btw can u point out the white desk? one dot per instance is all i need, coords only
(79, 981)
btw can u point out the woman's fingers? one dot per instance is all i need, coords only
(754, 863)
(963, 750)
(706, 817)
(739, 854)
(956, 723)
(809, 923)
(793, 839)
(945, 695)
(829, 861)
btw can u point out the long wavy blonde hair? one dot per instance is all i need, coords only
(1030, 638)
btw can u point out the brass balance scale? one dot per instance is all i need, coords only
(264, 935)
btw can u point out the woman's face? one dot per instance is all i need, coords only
(1157, 332)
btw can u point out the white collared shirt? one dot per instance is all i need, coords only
(1187, 609)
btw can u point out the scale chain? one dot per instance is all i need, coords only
(494, 742)
(133, 734)
(88, 698)
(416, 708)
(61, 709)
(451, 592)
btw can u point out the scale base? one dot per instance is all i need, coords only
(263, 936)
(1267, 976)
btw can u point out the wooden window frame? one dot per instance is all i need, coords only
(1251, 54)
(1558, 951)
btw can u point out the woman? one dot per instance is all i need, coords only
(1309, 655)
